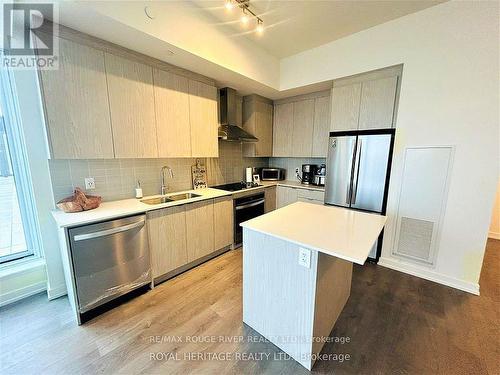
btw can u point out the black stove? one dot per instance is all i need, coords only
(236, 186)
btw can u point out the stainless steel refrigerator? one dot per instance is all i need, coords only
(358, 170)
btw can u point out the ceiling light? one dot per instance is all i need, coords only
(229, 4)
(244, 17)
(260, 26)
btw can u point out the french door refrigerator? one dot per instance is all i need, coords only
(357, 172)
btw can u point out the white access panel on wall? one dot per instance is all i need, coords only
(422, 202)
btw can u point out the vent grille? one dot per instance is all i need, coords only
(415, 238)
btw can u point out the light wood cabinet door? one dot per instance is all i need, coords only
(286, 195)
(76, 104)
(167, 239)
(321, 127)
(303, 122)
(200, 229)
(131, 103)
(378, 98)
(270, 196)
(282, 129)
(173, 127)
(345, 107)
(203, 119)
(258, 121)
(223, 222)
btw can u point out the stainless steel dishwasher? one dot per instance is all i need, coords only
(109, 259)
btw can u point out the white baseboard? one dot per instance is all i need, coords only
(57, 292)
(18, 294)
(430, 275)
(494, 235)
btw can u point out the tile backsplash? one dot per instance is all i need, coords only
(117, 178)
(291, 163)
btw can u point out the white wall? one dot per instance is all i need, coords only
(449, 96)
(33, 125)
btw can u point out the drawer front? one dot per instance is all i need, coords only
(312, 195)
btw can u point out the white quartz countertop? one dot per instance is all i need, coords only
(340, 232)
(125, 207)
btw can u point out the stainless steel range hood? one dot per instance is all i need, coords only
(228, 130)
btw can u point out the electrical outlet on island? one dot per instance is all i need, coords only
(304, 257)
(89, 183)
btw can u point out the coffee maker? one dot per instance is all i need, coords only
(307, 173)
(319, 175)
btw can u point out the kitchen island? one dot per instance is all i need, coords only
(297, 269)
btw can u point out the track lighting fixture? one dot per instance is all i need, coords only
(244, 5)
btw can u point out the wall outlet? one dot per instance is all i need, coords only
(89, 183)
(297, 170)
(304, 257)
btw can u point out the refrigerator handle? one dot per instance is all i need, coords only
(348, 193)
(356, 171)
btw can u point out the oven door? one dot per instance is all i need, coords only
(246, 208)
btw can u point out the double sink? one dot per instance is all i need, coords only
(170, 198)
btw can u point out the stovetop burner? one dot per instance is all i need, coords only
(236, 186)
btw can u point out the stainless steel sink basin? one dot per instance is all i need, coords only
(179, 197)
(170, 198)
(157, 200)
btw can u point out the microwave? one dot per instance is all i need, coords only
(272, 174)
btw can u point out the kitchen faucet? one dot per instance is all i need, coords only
(164, 187)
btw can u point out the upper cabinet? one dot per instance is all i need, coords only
(131, 102)
(321, 131)
(107, 102)
(76, 104)
(301, 125)
(302, 133)
(366, 101)
(378, 98)
(282, 129)
(203, 119)
(258, 120)
(345, 107)
(173, 128)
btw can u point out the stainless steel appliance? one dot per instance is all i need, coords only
(109, 259)
(228, 130)
(319, 176)
(307, 173)
(358, 169)
(245, 208)
(272, 174)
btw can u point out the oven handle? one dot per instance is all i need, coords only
(256, 203)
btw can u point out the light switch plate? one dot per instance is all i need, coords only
(304, 257)
(89, 183)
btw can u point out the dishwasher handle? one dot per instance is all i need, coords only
(107, 232)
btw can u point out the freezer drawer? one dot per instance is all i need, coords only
(109, 259)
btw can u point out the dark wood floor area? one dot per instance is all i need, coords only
(396, 324)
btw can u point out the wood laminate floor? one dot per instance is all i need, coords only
(396, 323)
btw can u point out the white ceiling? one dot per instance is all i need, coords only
(295, 26)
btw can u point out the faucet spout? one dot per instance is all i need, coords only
(164, 187)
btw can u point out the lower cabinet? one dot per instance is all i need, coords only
(200, 229)
(288, 195)
(270, 196)
(223, 222)
(182, 234)
(167, 239)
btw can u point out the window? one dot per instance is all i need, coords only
(19, 234)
